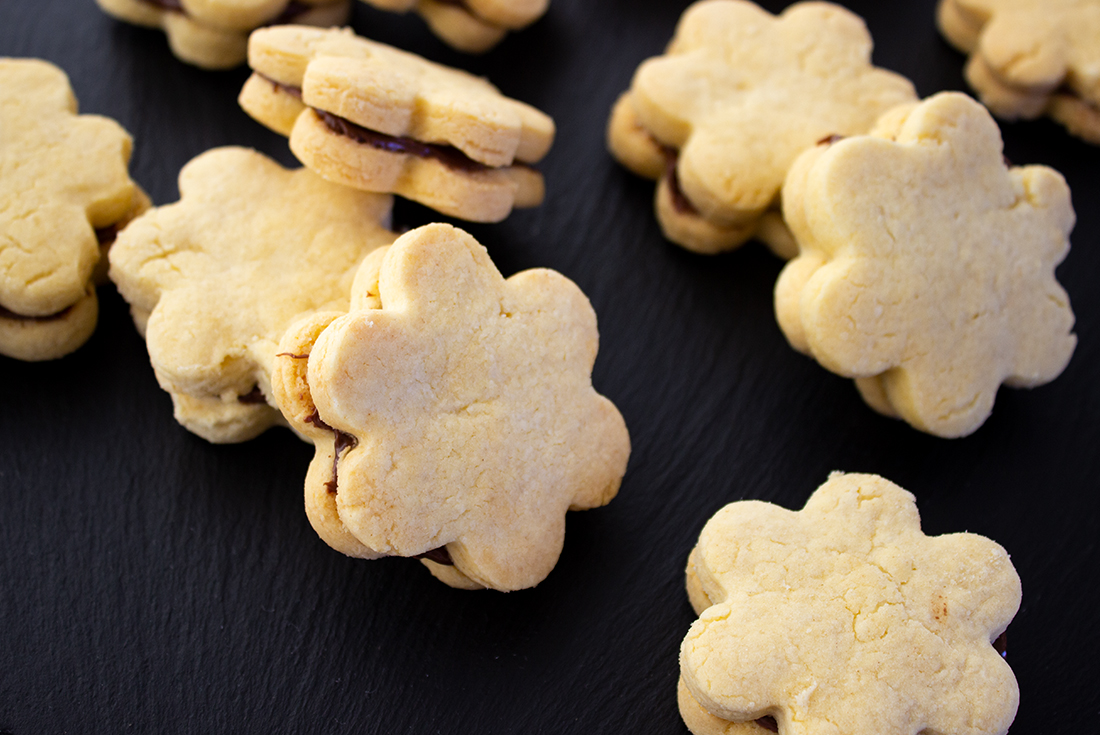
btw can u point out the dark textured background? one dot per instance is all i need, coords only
(151, 582)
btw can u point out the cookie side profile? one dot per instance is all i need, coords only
(213, 34)
(926, 265)
(64, 192)
(738, 94)
(453, 413)
(472, 26)
(214, 279)
(373, 117)
(845, 617)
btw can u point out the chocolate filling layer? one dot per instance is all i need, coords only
(8, 314)
(1001, 644)
(253, 396)
(106, 235)
(295, 92)
(830, 139)
(768, 723)
(439, 556)
(449, 156)
(679, 202)
(343, 442)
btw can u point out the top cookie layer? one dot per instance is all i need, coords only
(214, 279)
(466, 409)
(61, 176)
(400, 94)
(844, 618)
(741, 92)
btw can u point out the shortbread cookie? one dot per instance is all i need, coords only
(473, 26)
(213, 34)
(373, 117)
(64, 192)
(453, 413)
(1031, 57)
(214, 279)
(844, 617)
(738, 94)
(926, 266)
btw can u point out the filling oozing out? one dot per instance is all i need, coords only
(253, 396)
(680, 202)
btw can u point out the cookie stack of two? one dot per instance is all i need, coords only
(473, 26)
(452, 410)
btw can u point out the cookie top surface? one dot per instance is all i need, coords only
(845, 618)
(470, 401)
(926, 259)
(401, 94)
(249, 247)
(741, 92)
(61, 176)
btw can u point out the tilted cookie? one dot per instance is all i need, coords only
(844, 617)
(64, 192)
(373, 117)
(473, 26)
(736, 97)
(214, 279)
(926, 266)
(213, 34)
(1031, 57)
(453, 413)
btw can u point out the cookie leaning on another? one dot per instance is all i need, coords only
(737, 96)
(64, 192)
(473, 26)
(1031, 57)
(376, 118)
(213, 34)
(453, 413)
(214, 279)
(926, 265)
(844, 617)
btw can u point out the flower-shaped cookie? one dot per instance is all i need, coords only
(213, 34)
(927, 265)
(214, 280)
(845, 618)
(453, 413)
(64, 189)
(473, 26)
(1030, 57)
(373, 117)
(740, 93)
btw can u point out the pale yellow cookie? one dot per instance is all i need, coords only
(453, 413)
(926, 265)
(213, 34)
(473, 26)
(738, 94)
(844, 617)
(64, 190)
(381, 119)
(214, 279)
(1031, 57)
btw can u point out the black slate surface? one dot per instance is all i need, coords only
(151, 582)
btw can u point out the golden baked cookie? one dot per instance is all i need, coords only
(1031, 57)
(737, 96)
(844, 617)
(473, 26)
(453, 413)
(64, 192)
(376, 118)
(214, 279)
(213, 34)
(926, 265)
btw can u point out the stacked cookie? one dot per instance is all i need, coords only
(213, 34)
(922, 265)
(1031, 57)
(376, 118)
(473, 26)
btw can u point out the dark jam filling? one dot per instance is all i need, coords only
(106, 235)
(253, 396)
(344, 441)
(439, 556)
(679, 202)
(295, 92)
(830, 139)
(1001, 644)
(768, 723)
(449, 156)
